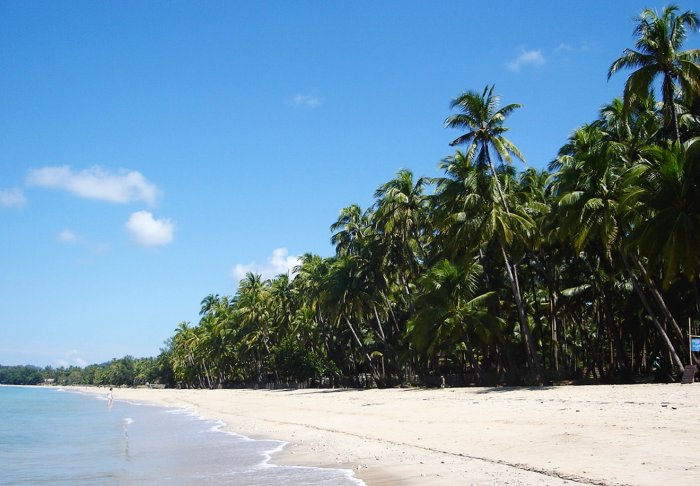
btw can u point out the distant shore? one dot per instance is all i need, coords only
(605, 434)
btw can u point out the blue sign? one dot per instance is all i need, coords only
(695, 345)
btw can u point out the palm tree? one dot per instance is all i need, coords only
(208, 304)
(659, 40)
(253, 310)
(401, 211)
(348, 230)
(400, 223)
(667, 186)
(451, 315)
(310, 283)
(349, 296)
(483, 118)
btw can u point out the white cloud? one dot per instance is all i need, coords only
(12, 198)
(565, 47)
(279, 262)
(96, 183)
(305, 101)
(527, 58)
(68, 237)
(148, 231)
(72, 358)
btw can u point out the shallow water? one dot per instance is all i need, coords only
(49, 436)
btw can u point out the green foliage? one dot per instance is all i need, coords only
(297, 363)
(20, 375)
(127, 371)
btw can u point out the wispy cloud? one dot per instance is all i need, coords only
(71, 238)
(278, 263)
(12, 198)
(68, 237)
(305, 101)
(527, 58)
(122, 186)
(566, 47)
(147, 231)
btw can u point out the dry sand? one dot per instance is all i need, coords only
(607, 435)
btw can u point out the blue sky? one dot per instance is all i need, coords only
(150, 152)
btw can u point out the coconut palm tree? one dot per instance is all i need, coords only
(400, 213)
(666, 185)
(348, 230)
(450, 314)
(483, 118)
(659, 40)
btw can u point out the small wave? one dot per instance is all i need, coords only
(128, 421)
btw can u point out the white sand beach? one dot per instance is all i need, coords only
(605, 435)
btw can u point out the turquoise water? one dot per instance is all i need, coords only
(53, 437)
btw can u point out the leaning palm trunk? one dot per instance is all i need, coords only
(375, 373)
(206, 374)
(659, 327)
(658, 297)
(528, 340)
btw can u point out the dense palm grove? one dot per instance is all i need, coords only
(489, 275)
(485, 274)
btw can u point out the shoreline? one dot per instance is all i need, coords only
(601, 434)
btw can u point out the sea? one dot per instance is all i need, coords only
(53, 436)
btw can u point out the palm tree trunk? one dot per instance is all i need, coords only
(362, 347)
(659, 327)
(553, 301)
(538, 317)
(379, 324)
(206, 374)
(555, 329)
(658, 297)
(472, 361)
(668, 100)
(618, 360)
(387, 346)
(531, 352)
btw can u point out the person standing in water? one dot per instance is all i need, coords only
(109, 397)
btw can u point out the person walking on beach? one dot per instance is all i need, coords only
(109, 397)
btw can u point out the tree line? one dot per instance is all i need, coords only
(127, 371)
